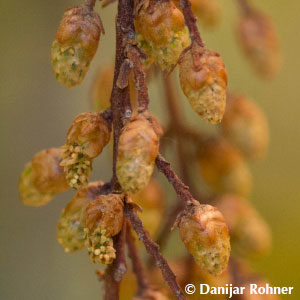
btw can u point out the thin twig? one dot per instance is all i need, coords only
(140, 78)
(153, 250)
(179, 130)
(180, 188)
(168, 223)
(137, 264)
(112, 286)
(120, 267)
(191, 21)
(120, 99)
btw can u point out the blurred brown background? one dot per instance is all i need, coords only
(35, 112)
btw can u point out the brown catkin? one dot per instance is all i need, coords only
(205, 235)
(223, 168)
(86, 138)
(92, 131)
(75, 45)
(28, 192)
(48, 176)
(245, 126)
(70, 229)
(203, 79)
(103, 219)
(138, 149)
(260, 43)
(161, 32)
(42, 178)
(250, 234)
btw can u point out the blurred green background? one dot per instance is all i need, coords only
(35, 112)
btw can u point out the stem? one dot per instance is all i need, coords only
(167, 225)
(179, 131)
(153, 250)
(180, 188)
(137, 264)
(140, 79)
(111, 286)
(120, 99)
(191, 21)
(120, 267)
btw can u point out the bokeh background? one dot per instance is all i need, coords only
(35, 113)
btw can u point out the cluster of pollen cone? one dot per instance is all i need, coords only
(209, 232)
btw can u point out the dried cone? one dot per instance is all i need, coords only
(259, 40)
(75, 45)
(151, 294)
(86, 138)
(70, 230)
(203, 79)
(162, 34)
(246, 127)
(103, 219)
(42, 178)
(223, 168)
(205, 235)
(250, 234)
(138, 149)
(152, 201)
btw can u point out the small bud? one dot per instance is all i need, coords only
(246, 127)
(138, 149)
(203, 79)
(86, 138)
(48, 176)
(205, 235)
(70, 230)
(162, 34)
(103, 219)
(92, 131)
(75, 45)
(260, 43)
(223, 168)
(250, 234)
(29, 194)
(42, 178)
(151, 294)
(151, 199)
